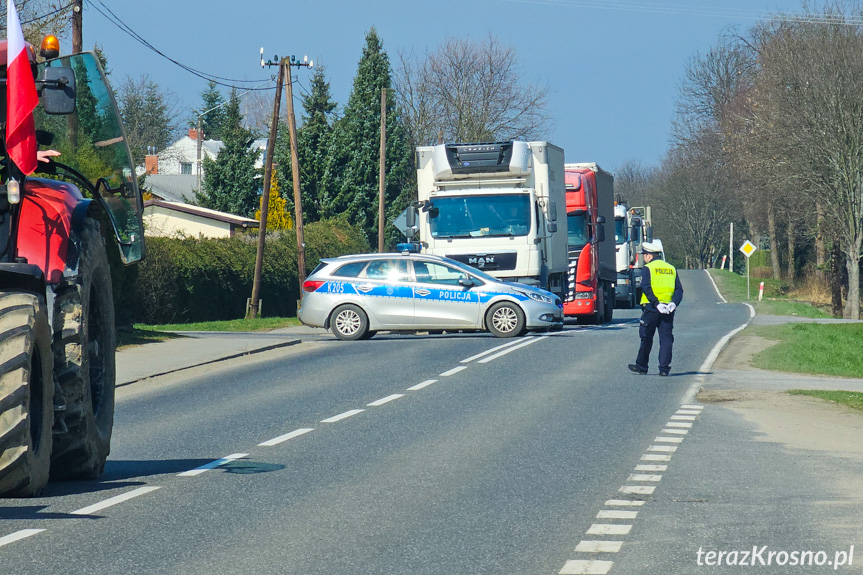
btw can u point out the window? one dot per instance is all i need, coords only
(186, 168)
(389, 270)
(350, 270)
(432, 273)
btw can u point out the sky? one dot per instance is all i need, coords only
(612, 67)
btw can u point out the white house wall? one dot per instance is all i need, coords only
(159, 222)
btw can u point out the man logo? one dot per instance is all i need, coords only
(480, 261)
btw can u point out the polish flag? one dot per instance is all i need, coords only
(21, 97)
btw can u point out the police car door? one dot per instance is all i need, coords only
(439, 299)
(386, 293)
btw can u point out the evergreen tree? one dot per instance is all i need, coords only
(278, 216)
(214, 116)
(230, 181)
(312, 145)
(351, 174)
(148, 114)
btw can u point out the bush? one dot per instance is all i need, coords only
(197, 279)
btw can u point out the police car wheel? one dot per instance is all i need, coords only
(349, 323)
(505, 319)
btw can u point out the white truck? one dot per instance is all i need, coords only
(495, 206)
(632, 227)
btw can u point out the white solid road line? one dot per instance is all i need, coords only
(513, 348)
(488, 351)
(589, 567)
(453, 371)
(386, 399)
(419, 386)
(115, 500)
(342, 416)
(285, 437)
(18, 536)
(212, 465)
(599, 546)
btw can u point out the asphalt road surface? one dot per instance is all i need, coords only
(444, 454)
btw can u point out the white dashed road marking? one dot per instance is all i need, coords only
(662, 439)
(663, 448)
(386, 399)
(18, 536)
(655, 457)
(489, 351)
(682, 418)
(638, 489)
(623, 503)
(676, 431)
(608, 529)
(589, 567)
(680, 424)
(419, 386)
(115, 500)
(212, 465)
(342, 416)
(644, 477)
(651, 467)
(285, 437)
(616, 514)
(453, 371)
(599, 546)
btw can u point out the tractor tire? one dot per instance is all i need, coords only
(26, 395)
(84, 348)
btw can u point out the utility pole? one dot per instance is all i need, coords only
(382, 188)
(77, 24)
(731, 249)
(295, 169)
(254, 302)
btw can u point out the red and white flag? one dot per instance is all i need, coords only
(21, 97)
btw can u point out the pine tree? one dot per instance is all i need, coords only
(354, 152)
(213, 118)
(230, 182)
(278, 216)
(313, 138)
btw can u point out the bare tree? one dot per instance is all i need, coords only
(633, 182)
(469, 91)
(40, 17)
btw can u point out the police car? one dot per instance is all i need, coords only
(356, 296)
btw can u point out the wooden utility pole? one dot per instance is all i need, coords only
(295, 169)
(77, 24)
(254, 302)
(382, 188)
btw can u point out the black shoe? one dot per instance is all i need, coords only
(635, 368)
(663, 373)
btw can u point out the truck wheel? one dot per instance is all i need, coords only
(84, 347)
(609, 302)
(26, 395)
(349, 323)
(505, 319)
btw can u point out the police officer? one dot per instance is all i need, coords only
(661, 293)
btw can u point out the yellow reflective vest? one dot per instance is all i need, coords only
(662, 279)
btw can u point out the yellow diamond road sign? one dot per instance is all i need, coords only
(748, 248)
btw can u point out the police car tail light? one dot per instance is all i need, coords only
(312, 285)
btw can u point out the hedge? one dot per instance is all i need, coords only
(198, 279)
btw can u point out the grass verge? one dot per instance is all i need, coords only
(775, 302)
(823, 349)
(852, 399)
(132, 337)
(257, 324)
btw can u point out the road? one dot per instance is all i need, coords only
(447, 454)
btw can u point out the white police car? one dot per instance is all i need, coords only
(356, 296)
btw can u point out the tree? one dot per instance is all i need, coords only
(632, 183)
(231, 180)
(470, 92)
(313, 140)
(278, 216)
(213, 113)
(39, 18)
(149, 115)
(350, 181)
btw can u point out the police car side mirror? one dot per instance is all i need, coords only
(465, 282)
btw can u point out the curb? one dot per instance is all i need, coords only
(226, 358)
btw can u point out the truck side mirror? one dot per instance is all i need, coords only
(600, 229)
(411, 217)
(58, 91)
(648, 232)
(552, 211)
(552, 227)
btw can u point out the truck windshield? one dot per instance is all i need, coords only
(619, 231)
(485, 215)
(576, 231)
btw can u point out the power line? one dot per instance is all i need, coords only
(46, 15)
(688, 10)
(125, 28)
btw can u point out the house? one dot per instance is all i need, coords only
(166, 219)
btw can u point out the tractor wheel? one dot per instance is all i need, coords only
(84, 346)
(26, 395)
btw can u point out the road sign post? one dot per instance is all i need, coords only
(748, 248)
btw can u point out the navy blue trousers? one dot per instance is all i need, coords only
(651, 322)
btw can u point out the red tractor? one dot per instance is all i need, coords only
(57, 338)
